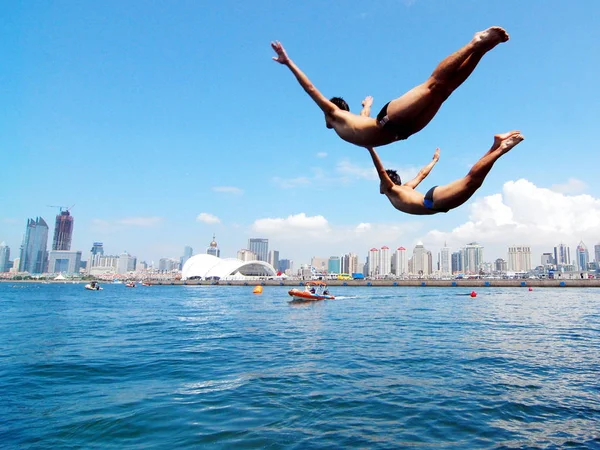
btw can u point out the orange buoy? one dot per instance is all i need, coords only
(257, 290)
(473, 294)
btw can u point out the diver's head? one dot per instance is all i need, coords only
(393, 176)
(340, 103)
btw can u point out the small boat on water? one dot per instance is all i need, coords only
(313, 290)
(93, 286)
(130, 284)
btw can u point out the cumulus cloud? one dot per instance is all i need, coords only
(228, 190)
(526, 214)
(572, 186)
(305, 236)
(299, 225)
(207, 218)
(362, 227)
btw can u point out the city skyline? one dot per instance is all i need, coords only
(474, 257)
(210, 136)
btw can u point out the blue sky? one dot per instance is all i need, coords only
(165, 122)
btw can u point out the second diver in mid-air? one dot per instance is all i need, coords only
(405, 198)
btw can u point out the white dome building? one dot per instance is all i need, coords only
(210, 267)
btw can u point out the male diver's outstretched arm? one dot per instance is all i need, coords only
(386, 182)
(366, 103)
(282, 58)
(424, 171)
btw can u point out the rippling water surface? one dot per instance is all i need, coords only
(218, 367)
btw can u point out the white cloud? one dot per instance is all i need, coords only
(362, 227)
(525, 214)
(228, 190)
(349, 170)
(305, 236)
(572, 186)
(207, 218)
(294, 227)
(321, 155)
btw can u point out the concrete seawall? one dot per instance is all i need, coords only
(396, 283)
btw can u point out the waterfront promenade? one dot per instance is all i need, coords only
(471, 283)
(391, 283)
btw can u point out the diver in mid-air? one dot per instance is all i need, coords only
(409, 113)
(440, 198)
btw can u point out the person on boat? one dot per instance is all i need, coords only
(405, 198)
(408, 114)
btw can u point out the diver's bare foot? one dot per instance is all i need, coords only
(498, 138)
(491, 37)
(508, 141)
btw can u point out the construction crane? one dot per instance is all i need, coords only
(61, 208)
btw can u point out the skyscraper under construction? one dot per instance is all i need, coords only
(63, 230)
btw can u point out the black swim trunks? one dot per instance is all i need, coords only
(399, 130)
(428, 201)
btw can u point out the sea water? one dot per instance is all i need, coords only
(166, 367)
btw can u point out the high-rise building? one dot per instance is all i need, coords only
(63, 231)
(583, 257)
(64, 261)
(334, 265)
(34, 250)
(519, 258)
(285, 265)
(213, 248)
(547, 260)
(188, 252)
(97, 249)
(167, 264)
(457, 263)
(273, 259)
(319, 264)
(385, 261)
(445, 261)
(399, 262)
(500, 265)
(260, 247)
(421, 260)
(373, 262)
(126, 263)
(472, 257)
(102, 264)
(4, 257)
(597, 253)
(246, 255)
(562, 255)
(350, 263)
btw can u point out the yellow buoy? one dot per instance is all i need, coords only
(257, 290)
